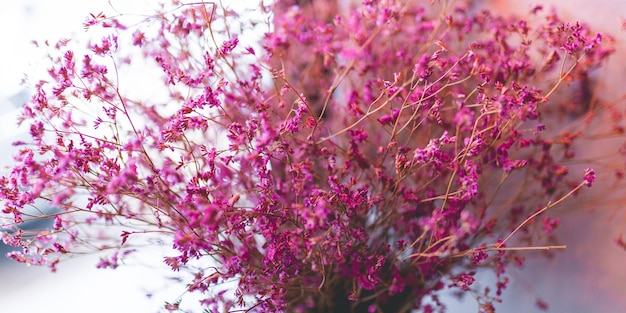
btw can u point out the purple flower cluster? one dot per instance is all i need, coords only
(355, 162)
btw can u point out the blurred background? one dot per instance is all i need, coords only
(589, 276)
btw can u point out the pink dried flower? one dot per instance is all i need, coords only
(464, 281)
(356, 160)
(590, 177)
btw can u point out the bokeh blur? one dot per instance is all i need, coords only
(588, 276)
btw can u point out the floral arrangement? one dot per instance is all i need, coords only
(358, 158)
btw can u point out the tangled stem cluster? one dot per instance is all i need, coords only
(356, 160)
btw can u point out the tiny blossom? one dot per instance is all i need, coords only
(479, 255)
(431, 153)
(228, 46)
(474, 147)
(464, 281)
(549, 225)
(590, 177)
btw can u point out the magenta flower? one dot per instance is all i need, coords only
(590, 177)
